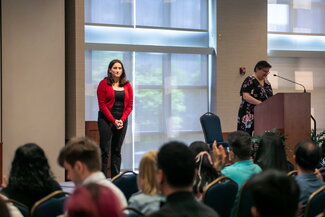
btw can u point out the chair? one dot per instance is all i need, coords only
(315, 203)
(293, 173)
(127, 183)
(322, 172)
(21, 207)
(133, 212)
(220, 195)
(50, 206)
(244, 204)
(211, 127)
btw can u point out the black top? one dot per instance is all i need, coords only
(118, 107)
(184, 204)
(29, 197)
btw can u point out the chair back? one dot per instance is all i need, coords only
(127, 183)
(51, 205)
(220, 195)
(24, 210)
(211, 127)
(293, 173)
(244, 204)
(133, 212)
(315, 203)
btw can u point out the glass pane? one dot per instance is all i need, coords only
(148, 110)
(300, 16)
(144, 142)
(189, 69)
(173, 14)
(119, 12)
(148, 68)
(187, 106)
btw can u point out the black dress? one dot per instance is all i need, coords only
(245, 121)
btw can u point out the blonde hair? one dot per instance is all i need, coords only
(147, 173)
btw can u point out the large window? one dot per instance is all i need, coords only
(166, 48)
(296, 44)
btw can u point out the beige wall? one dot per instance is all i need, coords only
(33, 91)
(241, 41)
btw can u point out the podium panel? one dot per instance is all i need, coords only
(289, 113)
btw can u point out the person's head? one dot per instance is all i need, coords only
(176, 166)
(80, 157)
(93, 200)
(204, 166)
(147, 173)
(271, 152)
(262, 69)
(240, 143)
(30, 168)
(116, 71)
(274, 193)
(307, 155)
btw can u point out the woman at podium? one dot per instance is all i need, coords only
(254, 90)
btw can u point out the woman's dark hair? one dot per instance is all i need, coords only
(110, 79)
(261, 65)
(30, 170)
(271, 152)
(206, 172)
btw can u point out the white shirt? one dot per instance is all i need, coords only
(99, 178)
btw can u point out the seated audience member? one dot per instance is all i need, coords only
(271, 153)
(205, 172)
(93, 200)
(273, 194)
(30, 177)
(243, 168)
(81, 158)
(176, 171)
(307, 156)
(148, 199)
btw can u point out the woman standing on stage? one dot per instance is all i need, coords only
(115, 101)
(254, 90)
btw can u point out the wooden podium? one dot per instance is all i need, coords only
(289, 113)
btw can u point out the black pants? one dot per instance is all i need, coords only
(111, 139)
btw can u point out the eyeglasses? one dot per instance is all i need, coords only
(266, 71)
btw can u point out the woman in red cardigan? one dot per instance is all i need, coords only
(115, 101)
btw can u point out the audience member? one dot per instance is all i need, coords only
(176, 171)
(30, 177)
(271, 153)
(243, 168)
(93, 200)
(81, 158)
(307, 156)
(273, 194)
(205, 172)
(148, 199)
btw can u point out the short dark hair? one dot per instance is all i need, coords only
(81, 149)
(308, 155)
(261, 65)
(241, 145)
(274, 193)
(177, 162)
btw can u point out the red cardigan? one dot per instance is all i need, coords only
(106, 99)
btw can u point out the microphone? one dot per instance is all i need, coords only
(290, 81)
